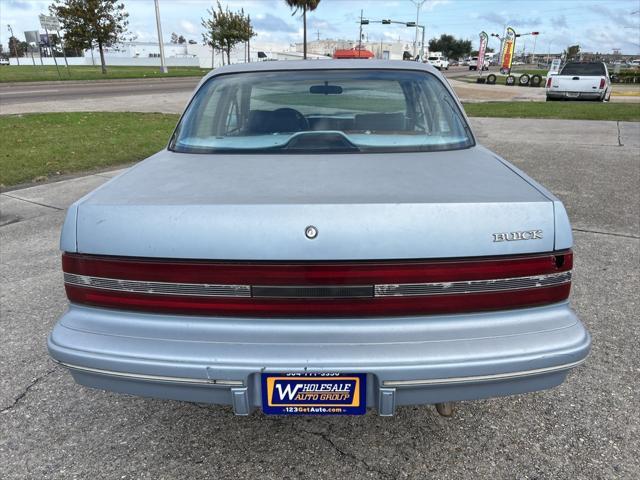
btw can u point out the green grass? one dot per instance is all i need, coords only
(36, 147)
(628, 112)
(40, 146)
(29, 73)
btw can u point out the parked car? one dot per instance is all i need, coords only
(319, 238)
(580, 81)
(473, 64)
(4, 61)
(441, 63)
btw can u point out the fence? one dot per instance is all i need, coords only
(111, 61)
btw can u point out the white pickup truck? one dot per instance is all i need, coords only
(580, 81)
(473, 64)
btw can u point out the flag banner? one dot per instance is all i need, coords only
(482, 50)
(508, 47)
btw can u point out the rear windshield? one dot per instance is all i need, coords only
(596, 68)
(322, 110)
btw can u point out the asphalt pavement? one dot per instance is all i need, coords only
(588, 428)
(19, 93)
(70, 91)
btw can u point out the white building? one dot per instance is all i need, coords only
(188, 54)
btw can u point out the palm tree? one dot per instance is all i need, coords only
(304, 5)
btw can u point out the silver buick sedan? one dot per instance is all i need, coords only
(320, 237)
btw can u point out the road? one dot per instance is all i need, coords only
(26, 92)
(169, 95)
(589, 428)
(21, 93)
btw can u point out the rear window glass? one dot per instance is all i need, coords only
(322, 110)
(596, 69)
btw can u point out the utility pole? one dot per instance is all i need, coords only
(360, 34)
(64, 54)
(163, 67)
(53, 54)
(418, 4)
(15, 47)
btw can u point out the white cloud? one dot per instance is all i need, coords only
(188, 27)
(430, 5)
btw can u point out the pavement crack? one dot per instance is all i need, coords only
(612, 234)
(26, 389)
(32, 202)
(325, 436)
(620, 144)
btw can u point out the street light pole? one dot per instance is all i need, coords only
(533, 54)
(163, 67)
(360, 35)
(418, 4)
(15, 47)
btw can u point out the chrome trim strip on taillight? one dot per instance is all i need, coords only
(472, 286)
(347, 291)
(158, 288)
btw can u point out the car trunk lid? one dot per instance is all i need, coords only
(364, 206)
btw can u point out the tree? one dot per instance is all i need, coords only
(225, 29)
(16, 47)
(305, 6)
(450, 46)
(181, 40)
(573, 51)
(174, 37)
(89, 22)
(474, 53)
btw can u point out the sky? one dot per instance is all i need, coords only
(596, 25)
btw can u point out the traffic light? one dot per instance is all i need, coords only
(364, 22)
(411, 24)
(386, 22)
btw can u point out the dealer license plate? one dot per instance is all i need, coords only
(314, 393)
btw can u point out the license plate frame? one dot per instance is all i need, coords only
(314, 393)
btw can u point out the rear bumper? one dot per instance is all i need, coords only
(576, 95)
(408, 360)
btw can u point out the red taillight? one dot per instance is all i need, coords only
(318, 288)
(549, 80)
(602, 83)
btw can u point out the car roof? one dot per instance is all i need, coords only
(329, 64)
